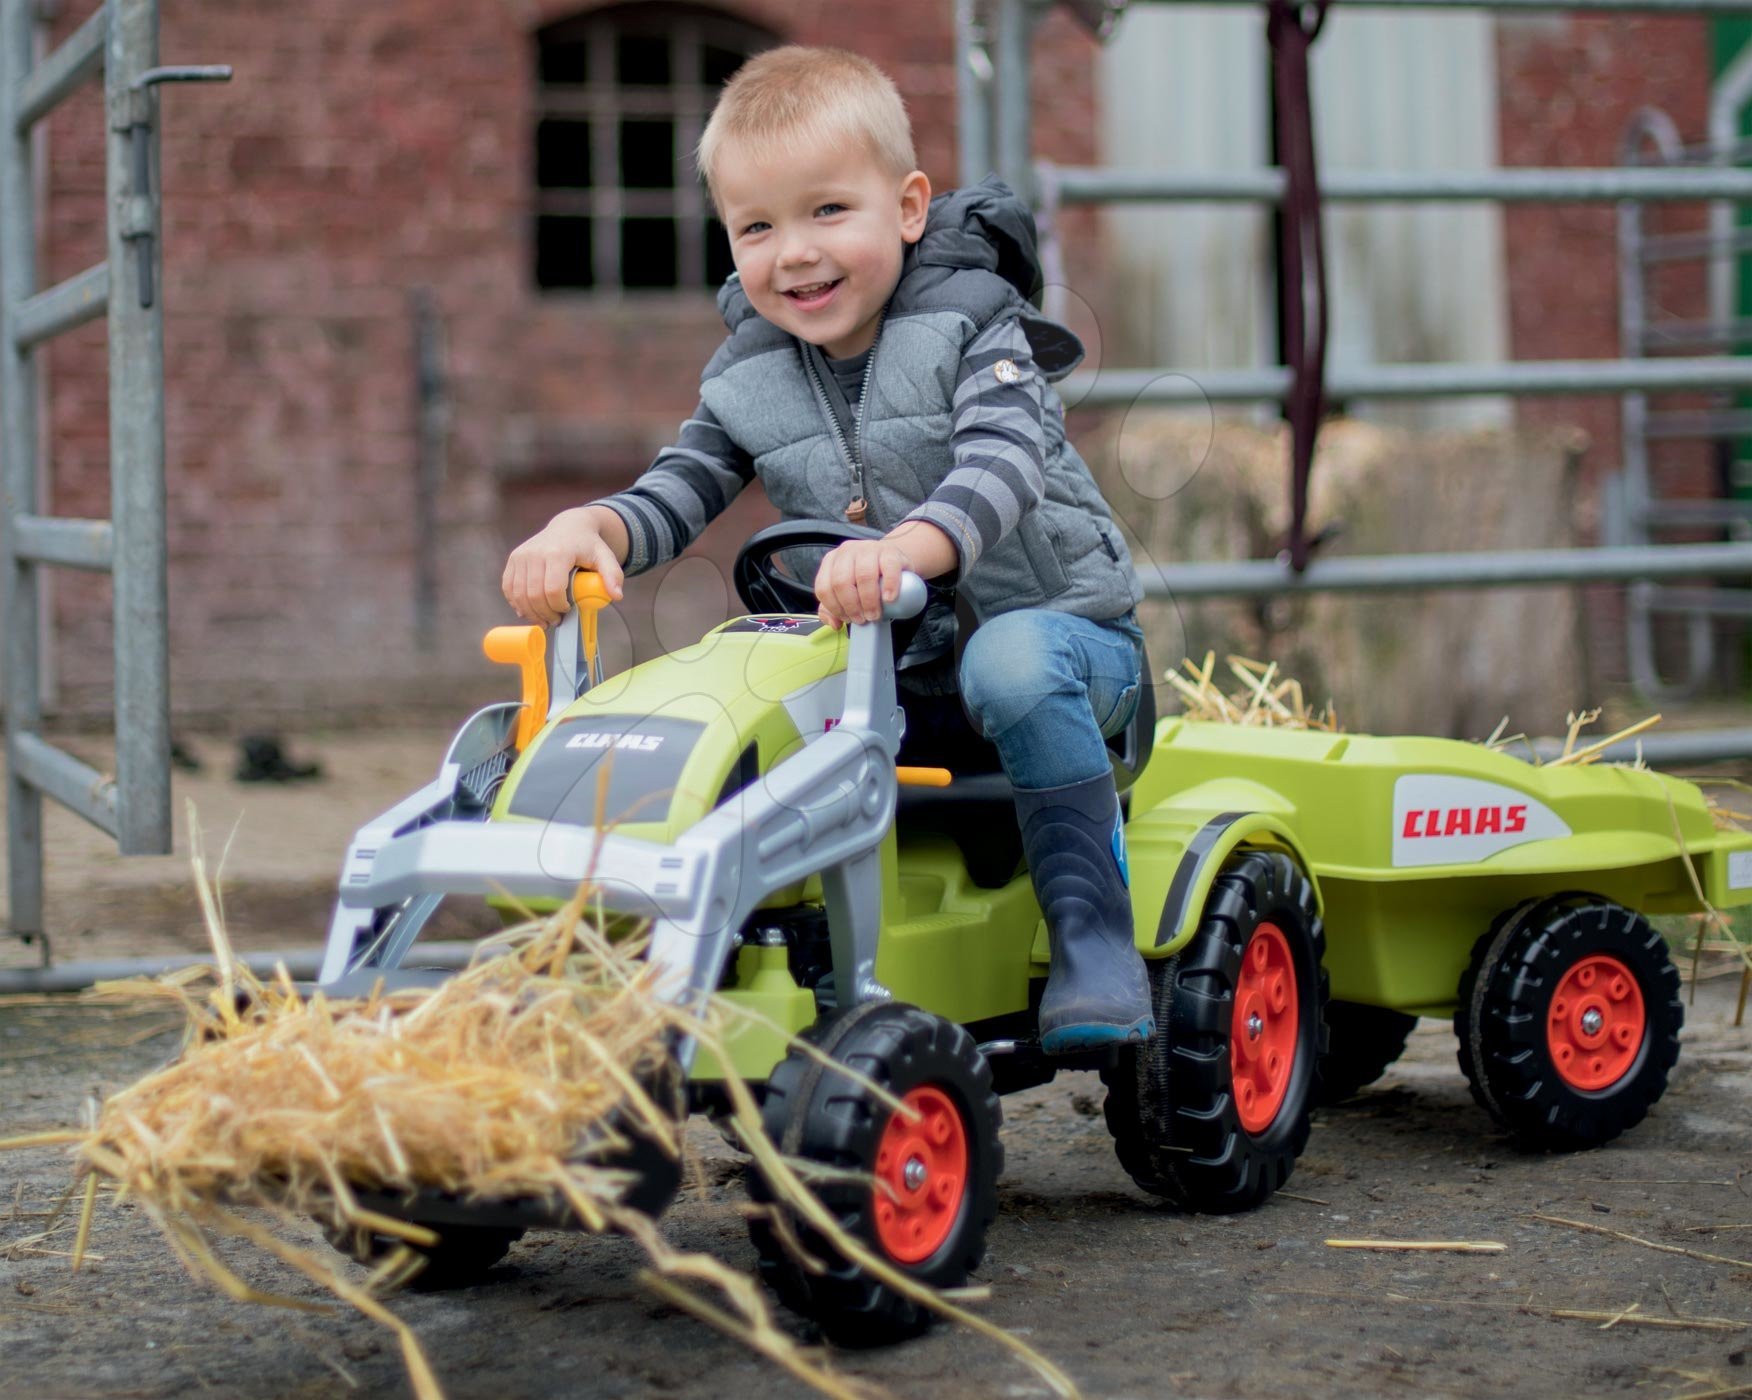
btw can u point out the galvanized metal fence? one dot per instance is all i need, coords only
(120, 41)
(995, 131)
(1637, 511)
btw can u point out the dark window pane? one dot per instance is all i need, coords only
(562, 155)
(647, 252)
(718, 263)
(562, 252)
(565, 61)
(647, 155)
(716, 64)
(641, 58)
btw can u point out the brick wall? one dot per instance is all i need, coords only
(362, 153)
(365, 152)
(1568, 87)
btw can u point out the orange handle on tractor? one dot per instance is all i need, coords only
(590, 597)
(526, 649)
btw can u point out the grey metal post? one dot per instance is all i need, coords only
(18, 442)
(973, 94)
(1015, 135)
(136, 327)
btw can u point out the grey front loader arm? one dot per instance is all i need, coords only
(823, 810)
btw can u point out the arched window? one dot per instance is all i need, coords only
(624, 94)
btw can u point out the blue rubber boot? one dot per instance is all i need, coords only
(1097, 993)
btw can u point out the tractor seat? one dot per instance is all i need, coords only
(977, 810)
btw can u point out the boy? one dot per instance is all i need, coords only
(884, 366)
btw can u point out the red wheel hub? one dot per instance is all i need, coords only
(1596, 1023)
(1262, 1036)
(921, 1175)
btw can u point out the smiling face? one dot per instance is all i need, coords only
(817, 238)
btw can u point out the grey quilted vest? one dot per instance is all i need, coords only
(975, 264)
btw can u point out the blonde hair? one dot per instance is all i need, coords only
(795, 97)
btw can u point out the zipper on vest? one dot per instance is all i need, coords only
(858, 416)
(851, 452)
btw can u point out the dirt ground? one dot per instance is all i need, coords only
(1132, 1298)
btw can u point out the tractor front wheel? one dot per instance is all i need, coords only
(1569, 1021)
(461, 1257)
(1213, 1112)
(915, 1185)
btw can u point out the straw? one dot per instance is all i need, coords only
(515, 1080)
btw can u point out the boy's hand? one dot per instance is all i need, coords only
(857, 578)
(539, 569)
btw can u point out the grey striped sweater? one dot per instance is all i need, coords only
(959, 426)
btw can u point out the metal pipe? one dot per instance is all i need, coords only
(1699, 514)
(300, 963)
(61, 73)
(973, 95)
(1678, 247)
(1387, 573)
(1716, 602)
(74, 784)
(1728, 97)
(82, 297)
(1015, 134)
(136, 369)
(21, 658)
(1666, 750)
(1525, 185)
(1679, 424)
(73, 544)
(1125, 387)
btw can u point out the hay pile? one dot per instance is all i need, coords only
(303, 1101)
(1263, 697)
(1264, 700)
(517, 1078)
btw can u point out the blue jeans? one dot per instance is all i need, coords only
(1048, 688)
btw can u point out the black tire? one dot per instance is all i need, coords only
(1513, 1029)
(463, 1255)
(812, 1113)
(1361, 1042)
(1171, 1105)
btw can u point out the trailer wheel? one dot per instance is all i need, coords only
(1362, 1041)
(1213, 1112)
(935, 1167)
(462, 1256)
(1569, 1021)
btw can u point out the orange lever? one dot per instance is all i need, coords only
(590, 597)
(922, 777)
(526, 649)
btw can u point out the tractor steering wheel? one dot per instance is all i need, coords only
(767, 585)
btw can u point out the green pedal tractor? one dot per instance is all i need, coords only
(1300, 898)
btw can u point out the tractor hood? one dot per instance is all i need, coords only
(652, 750)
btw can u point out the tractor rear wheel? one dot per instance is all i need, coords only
(1213, 1112)
(934, 1163)
(1569, 1021)
(1362, 1041)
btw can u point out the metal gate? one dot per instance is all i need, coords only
(995, 81)
(121, 41)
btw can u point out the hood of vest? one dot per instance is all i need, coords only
(978, 253)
